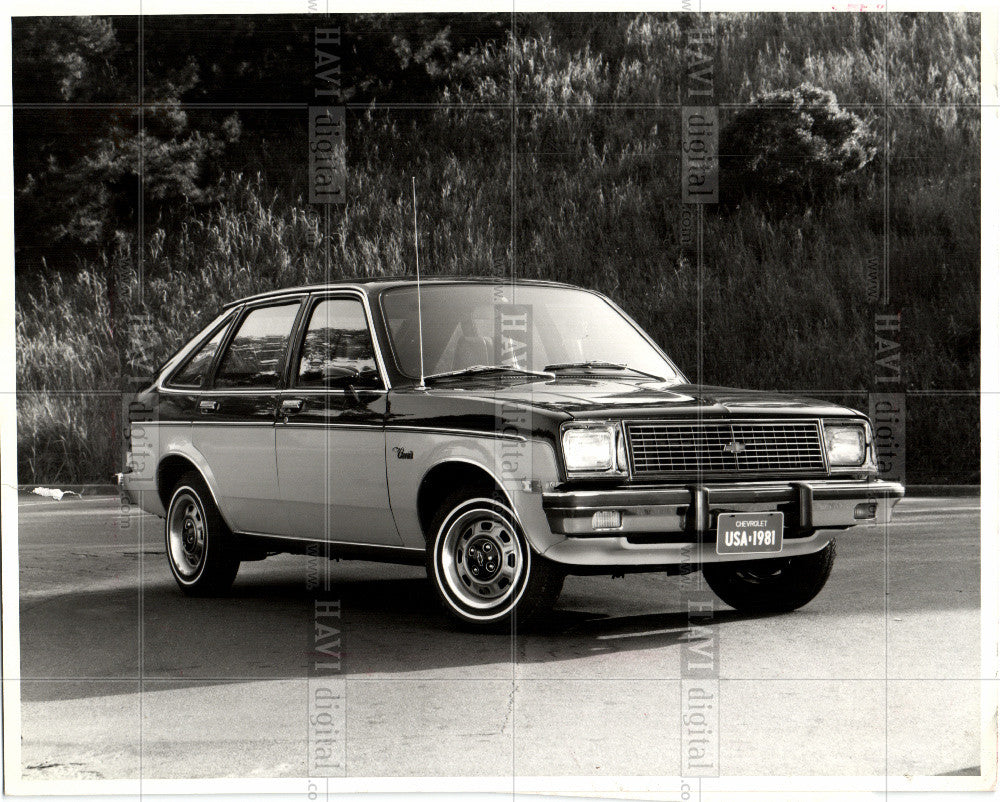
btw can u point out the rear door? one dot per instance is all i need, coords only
(235, 419)
(330, 431)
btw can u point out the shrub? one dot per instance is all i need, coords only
(582, 187)
(792, 148)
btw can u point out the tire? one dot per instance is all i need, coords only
(771, 586)
(481, 565)
(201, 551)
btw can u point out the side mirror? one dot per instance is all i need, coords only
(345, 376)
(340, 374)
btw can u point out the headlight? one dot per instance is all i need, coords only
(845, 444)
(590, 448)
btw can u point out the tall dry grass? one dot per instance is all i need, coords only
(591, 161)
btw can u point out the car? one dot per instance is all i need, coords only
(505, 434)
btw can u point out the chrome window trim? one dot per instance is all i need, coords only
(305, 289)
(178, 391)
(274, 390)
(332, 391)
(682, 379)
(234, 391)
(229, 423)
(372, 427)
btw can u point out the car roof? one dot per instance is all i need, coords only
(377, 284)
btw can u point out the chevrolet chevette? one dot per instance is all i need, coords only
(504, 434)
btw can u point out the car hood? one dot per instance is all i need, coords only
(624, 398)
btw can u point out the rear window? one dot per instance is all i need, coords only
(255, 355)
(195, 370)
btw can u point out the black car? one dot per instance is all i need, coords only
(506, 434)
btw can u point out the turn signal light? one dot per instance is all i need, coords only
(607, 519)
(865, 510)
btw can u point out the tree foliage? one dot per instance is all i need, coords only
(791, 148)
(577, 181)
(85, 148)
(89, 155)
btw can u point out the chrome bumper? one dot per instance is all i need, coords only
(808, 505)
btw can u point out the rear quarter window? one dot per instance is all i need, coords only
(193, 372)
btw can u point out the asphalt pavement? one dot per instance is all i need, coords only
(122, 676)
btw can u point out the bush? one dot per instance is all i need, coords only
(792, 148)
(591, 162)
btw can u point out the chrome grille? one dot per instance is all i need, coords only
(724, 447)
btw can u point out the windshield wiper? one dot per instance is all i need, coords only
(595, 365)
(479, 369)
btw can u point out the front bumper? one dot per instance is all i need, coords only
(808, 505)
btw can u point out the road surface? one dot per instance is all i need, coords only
(877, 675)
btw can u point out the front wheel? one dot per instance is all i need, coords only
(483, 568)
(201, 550)
(776, 585)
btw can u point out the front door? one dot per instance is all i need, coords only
(331, 431)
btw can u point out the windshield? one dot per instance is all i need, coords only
(524, 328)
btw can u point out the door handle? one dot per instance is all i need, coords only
(207, 406)
(289, 406)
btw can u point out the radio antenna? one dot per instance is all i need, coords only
(420, 317)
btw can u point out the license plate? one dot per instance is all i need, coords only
(749, 532)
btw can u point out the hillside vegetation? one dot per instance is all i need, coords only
(578, 182)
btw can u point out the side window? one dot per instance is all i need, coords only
(254, 356)
(193, 372)
(337, 348)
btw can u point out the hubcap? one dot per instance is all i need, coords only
(481, 558)
(186, 534)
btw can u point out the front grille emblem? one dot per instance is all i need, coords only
(734, 447)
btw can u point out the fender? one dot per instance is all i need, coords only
(412, 454)
(202, 467)
(183, 447)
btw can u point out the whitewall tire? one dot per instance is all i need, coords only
(482, 566)
(201, 551)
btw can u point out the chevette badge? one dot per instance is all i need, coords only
(402, 453)
(734, 447)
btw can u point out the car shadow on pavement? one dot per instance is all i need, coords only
(390, 624)
(265, 630)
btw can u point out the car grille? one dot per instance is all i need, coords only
(724, 446)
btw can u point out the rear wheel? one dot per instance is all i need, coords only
(771, 586)
(482, 566)
(201, 550)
